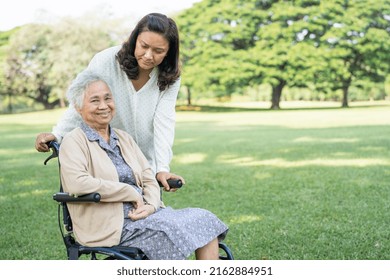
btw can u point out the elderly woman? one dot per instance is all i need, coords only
(98, 158)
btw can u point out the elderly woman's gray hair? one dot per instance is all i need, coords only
(79, 86)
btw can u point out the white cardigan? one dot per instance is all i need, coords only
(148, 115)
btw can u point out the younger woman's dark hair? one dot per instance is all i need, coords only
(169, 68)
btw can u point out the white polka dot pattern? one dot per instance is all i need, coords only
(171, 234)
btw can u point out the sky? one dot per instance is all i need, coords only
(19, 12)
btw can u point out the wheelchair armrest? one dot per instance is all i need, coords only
(66, 197)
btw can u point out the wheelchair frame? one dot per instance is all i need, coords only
(74, 249)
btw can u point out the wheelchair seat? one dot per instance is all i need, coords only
(75, 250)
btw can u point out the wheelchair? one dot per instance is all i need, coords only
(75, 250)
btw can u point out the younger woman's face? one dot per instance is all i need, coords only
(150, 50)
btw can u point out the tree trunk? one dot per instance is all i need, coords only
(10, 107)
(345, 98)
(188, 96)
(62, 102)
(345, 89)
(276, 94)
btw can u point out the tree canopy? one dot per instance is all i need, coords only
(44, 59)
(227, 47)
(231, 44)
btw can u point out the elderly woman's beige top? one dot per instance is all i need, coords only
(86, 168)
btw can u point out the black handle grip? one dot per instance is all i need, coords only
(55, 147)
(66, 197)
(174, 183)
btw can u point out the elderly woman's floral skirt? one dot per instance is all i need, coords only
(172, 234)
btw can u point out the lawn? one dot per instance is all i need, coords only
(294, 184)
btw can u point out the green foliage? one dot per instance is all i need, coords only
(356, 43)
(4, 40)
(326, 45)
(5, 35)
(42, 59)
(228, 47)
(29, 62)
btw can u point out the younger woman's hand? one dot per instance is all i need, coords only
(162, 177)
(42, 139)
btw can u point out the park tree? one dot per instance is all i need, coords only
(27, 63)
(213, 49)
(232, 44)
(240, 43)
(4, 39)
(355, 45)
(42, 59)
(282, 55)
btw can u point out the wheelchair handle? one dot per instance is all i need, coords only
(66, 197)
(173, 183)
(55, 147)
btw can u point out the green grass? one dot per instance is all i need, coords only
(291, 184)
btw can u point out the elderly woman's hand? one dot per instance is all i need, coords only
(141, 212)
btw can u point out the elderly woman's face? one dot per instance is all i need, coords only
(98, 105)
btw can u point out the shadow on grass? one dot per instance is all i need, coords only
(290, 193)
